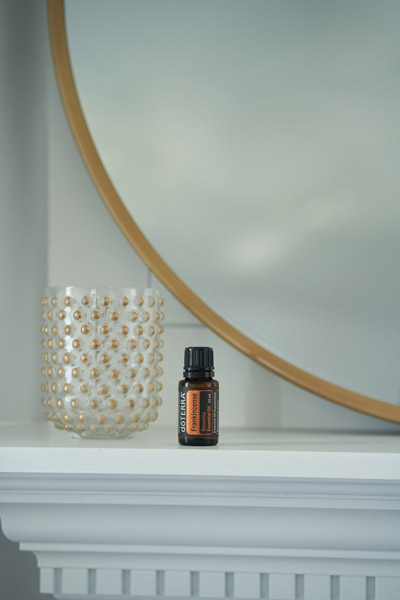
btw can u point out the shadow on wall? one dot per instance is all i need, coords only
(19, 573)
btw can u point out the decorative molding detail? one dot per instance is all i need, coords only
(113, 537)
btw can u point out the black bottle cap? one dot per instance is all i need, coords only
(199, 362)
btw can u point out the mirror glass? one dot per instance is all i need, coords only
(256, 144)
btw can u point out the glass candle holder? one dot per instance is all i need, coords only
(101, 353)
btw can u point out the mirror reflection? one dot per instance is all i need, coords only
(256, 144)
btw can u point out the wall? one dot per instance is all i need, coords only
(23, 239)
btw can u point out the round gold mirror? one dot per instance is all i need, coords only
(248, 153)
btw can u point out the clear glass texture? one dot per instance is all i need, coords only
(101, 355)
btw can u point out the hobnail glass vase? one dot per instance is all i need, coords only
(101, 353)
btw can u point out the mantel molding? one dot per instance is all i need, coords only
(117, 536)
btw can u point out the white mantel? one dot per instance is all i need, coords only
(277, 515)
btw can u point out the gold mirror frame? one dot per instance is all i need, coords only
(87, 149)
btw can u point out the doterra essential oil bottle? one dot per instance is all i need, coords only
(198, 399)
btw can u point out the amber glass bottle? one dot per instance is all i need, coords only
(198, 399)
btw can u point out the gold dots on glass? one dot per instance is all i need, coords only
(43, 316)
(160, 329)
(94, 340)
(161, 301)
(43, 343)
(159, 357)
(159, 386)
(153, 416)
(54, 301)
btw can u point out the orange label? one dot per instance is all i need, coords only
(193, 412)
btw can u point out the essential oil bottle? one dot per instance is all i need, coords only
(198, 399)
